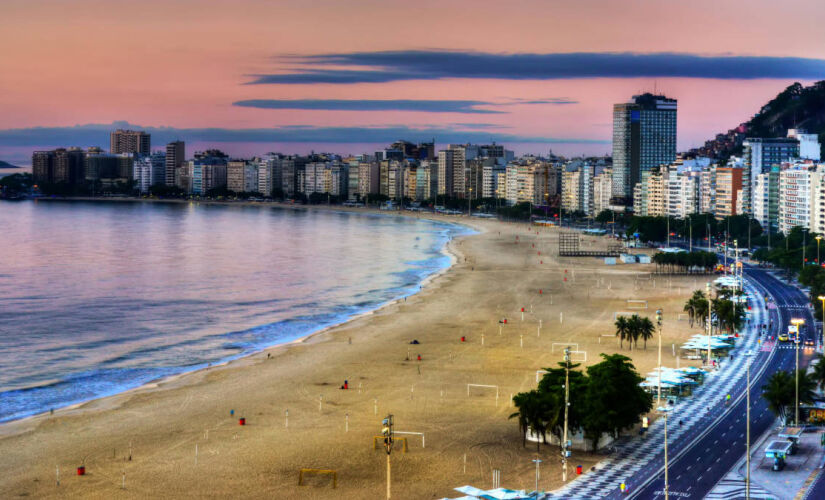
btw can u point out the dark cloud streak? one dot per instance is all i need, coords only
(430, 106)
(98, 134)
(390, 66)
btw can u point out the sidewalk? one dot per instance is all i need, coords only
(786, 484)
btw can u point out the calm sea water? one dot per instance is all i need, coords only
(97, 298)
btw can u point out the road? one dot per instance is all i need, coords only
(696, 465)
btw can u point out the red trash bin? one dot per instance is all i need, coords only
(578, 469)
(81, 471)
(242, 421)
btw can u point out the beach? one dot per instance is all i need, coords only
(181, 437)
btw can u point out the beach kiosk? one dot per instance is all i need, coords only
(778, 451)
(792, 434)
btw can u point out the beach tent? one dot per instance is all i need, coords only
(473, 493)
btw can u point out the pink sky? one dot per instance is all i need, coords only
(183, 63)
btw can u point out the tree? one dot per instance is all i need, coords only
(696, 306)
(818, 374)
(780, 392)
(538, 411)
(613, 399)
(553, 383)
(646, 329)
(622, 329)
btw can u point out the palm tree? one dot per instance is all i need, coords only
(622, 329)
(635, 329)
(646, 329)
(818, 375)
(779, 393)
(695, 306)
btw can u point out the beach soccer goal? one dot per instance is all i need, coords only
(483, 386)
(563, 344)
(622, 313)
(328, 472)
(636, 304)
(423, 443)
(582, 356)
(683, 317)
(539, 373)
(377, 439)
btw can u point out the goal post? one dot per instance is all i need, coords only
(423, 443)
(636, 304)
(329, 472)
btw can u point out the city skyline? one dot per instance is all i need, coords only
(318, 82)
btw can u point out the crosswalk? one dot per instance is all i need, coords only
(633, 455)
(733, 488)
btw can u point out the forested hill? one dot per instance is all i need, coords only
(795, 107)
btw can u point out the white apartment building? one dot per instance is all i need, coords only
(681, 191)
(149, 170)
(602, 189)
(795, 186)
(707, 189)
(511, 184)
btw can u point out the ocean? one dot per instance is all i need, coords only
(99, 298)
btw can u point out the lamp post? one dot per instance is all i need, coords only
(748, 433)
(799, 323)
(818, 238)
(663, 412)
(822, 299)
(564, 451)
(707, 287)
(659, 390)
(386, 430)
(537, 462)
(470, 197)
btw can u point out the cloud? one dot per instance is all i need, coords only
(98, 134)
(430, 106)
(390, 66)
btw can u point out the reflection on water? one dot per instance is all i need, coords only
(97, 298)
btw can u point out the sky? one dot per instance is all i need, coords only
(346, 76)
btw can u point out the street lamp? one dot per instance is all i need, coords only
(822, 299)
(565, 453)
(799, 323)
(537, 462)
(386, 430)
(470, 197)
(663, 412)
(659, 391)
(707, 287)
(818, 238)
(748, 433)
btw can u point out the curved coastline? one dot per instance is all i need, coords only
(182, 374)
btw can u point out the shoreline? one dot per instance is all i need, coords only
(447, 250)
(495, 273)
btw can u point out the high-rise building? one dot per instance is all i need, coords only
(644, 137)
(759, 156)
(766, 200)
(175, 158)
(242, 176)
(149, 170)
(649, 193)
(602, 190)
(451, 171)
(795, 186)
(728, 190)
(43, 167)
(130, 141)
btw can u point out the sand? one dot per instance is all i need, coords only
(493, 277)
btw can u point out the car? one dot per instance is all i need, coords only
(810, 342)
(783, 338)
